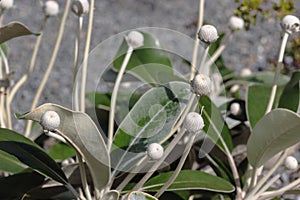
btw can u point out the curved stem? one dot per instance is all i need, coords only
(267, 176)
(83, 177)
(277, 73)
(114, 97)
(196, 44)
(24, 78)
(76, 64)
(131, 175)
(50, 65)
(85, 56)
(178, 168)
(281, 191)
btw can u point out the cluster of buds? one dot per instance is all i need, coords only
(208, 34)
(291, 163)
(236, 23)
(6, 4)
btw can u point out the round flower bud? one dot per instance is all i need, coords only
(236, 23)
(290, 24)
(291, 162)
(235, 108)
(155, 151)
(80, 7)
(135, 39)
(193, 122)
(234, 88)
(201, 85)
(6, 4)
(245, 72)
(50, 120)
(208, 34)
(51, 8)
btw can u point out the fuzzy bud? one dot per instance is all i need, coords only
(193, 122)
(135, 39)
(245, 72)
(235, 109)
(290, 24)
(50, 120)
(234, 88)
(236, 23)
(51, 8)
(155, 151)
(201, 85)
(80, 7)
(6, 4)
(208, 34)
(291, 162)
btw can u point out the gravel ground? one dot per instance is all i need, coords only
(248, 49)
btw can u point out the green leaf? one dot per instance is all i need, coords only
(266, 78)
(257, 101)
(137, 195)
(214, 123)
(81, 132)
(290, 97)
(8, 162)
(276, 131)
(190, 180)
(12, 30)
(151, 119)
(15, 186)
(149, 63)
(61, 151)
(35, 158)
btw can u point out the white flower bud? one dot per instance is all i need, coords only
(51, 8)
(290, 24)
(193, 122)
(245, 72)
(234, 88)
(235, 108)
(236, 23)
(201, 85)
(291, 162)
(155, 151)
(80, 7)
(208, 34)
(6, 4)
(50, 121)
(135, 39)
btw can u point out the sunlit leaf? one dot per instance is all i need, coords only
(214, 123)
(257, 101)
(190, 180)
(150, 120)
(34, 158)
(276, 131)
(81, 132)
(290, 97)
(8, 162)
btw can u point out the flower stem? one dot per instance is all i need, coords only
(24, 78)
(50, 65)
(196, 44)
(179, 166)
(114, 97)
(85, 56)
(277, 73)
